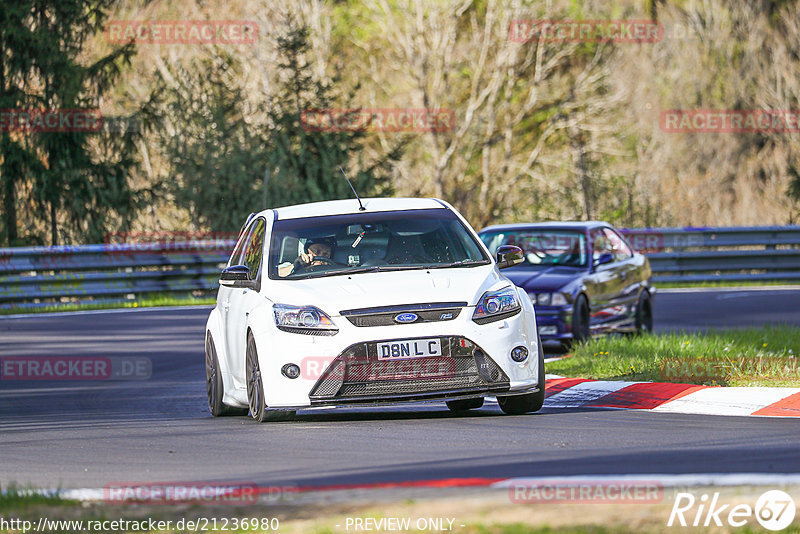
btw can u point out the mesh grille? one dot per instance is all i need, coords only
(329, 383)
(359, 373)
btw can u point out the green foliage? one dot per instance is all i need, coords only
(15, 499)
(215, 156)
(304, 164)
(78, 178)
(794, 184)
(220, 135)
(218, 158)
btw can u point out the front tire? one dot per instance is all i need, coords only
(580, 320)
(214, 385)
(255, 388)
(644, 314)
(529, 402)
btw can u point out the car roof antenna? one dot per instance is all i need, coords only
(361, 208)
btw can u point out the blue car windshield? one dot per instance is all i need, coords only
(542, 247)
(314, 247)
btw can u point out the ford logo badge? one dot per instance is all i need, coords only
(406, 317)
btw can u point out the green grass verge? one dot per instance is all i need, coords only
(751, 357)
(143, 302)
(15, 499)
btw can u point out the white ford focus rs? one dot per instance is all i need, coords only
(332, 304)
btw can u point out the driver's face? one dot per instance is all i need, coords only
(320, 249)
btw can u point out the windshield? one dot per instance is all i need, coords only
(542, 247)
(385, 241)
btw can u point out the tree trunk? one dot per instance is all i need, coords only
(53, 227)
(10, 206)
(582, 167)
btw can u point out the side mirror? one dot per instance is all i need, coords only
(237, 276)
(605, 257)
(509, 256)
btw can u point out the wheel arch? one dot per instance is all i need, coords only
(215, 329)
(582, 293)
(644, 290)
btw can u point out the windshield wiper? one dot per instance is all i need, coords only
(400, 267)
(462, 263)
(322, 274)
(370, 269)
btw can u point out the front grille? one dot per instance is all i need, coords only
(385, 316)
(358, 375)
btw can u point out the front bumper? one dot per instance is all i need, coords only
(348, 364)
(554, 322)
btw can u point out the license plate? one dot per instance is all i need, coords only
(412, 348)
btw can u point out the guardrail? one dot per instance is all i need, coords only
(32, 277)
(761, 253)
(41, 276)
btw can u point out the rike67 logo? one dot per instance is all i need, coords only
(774, 510)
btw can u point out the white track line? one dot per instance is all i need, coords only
(727, 400)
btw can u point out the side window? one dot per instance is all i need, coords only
(619, 248)
(255, 247)
(236, 256)
(600, 243)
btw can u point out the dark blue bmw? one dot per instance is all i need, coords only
(582, 277)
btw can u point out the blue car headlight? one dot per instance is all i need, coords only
(548, 299)
(496, 305)
(303, 320)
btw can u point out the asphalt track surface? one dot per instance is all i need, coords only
(91, 434)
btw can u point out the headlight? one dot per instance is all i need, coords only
(303, 320)
(548, 299)
(496, 305)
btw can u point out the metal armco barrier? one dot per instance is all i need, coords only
(40, 276)
(761, 253)
(33, 277)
